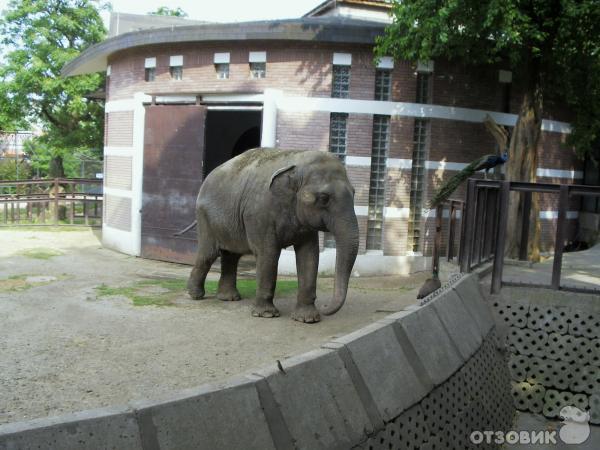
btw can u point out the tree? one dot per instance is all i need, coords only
(39, 37)
(166, 11)
(552, 47)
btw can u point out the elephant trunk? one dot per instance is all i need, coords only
(345, 232)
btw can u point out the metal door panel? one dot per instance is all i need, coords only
(173, 155)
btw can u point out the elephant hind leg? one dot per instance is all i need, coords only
(207, 253)
(227, 283)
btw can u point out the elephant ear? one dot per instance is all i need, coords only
(279, 172)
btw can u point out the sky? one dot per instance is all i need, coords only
(217, 11)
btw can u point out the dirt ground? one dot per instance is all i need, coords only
(83, 327)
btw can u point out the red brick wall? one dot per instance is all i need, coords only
(303, 130)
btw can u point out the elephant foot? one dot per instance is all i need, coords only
(306, 314)
(265, 309)
(196, 293)
(229, 295)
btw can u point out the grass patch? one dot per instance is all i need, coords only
(41, 253)
(163, 292)
(18, 283)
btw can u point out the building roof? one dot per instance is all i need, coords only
(327, 5)
(314, 29)
(121, 23)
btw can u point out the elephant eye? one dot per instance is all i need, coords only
(322, 198)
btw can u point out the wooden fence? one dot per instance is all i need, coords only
(57, 202)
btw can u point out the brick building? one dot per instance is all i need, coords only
(183, 99)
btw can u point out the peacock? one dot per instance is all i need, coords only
(486, 163)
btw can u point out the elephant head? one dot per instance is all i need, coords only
(324, 201)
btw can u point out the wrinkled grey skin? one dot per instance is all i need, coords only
(264, 200)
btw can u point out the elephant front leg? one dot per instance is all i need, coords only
(227, 289)
(307, 264)
(266, 278)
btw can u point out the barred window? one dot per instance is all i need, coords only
(383, 84)
(150, 73)
(341, 81)
(381, 142)
(422, 88)
(222, 70)
(258, 70)
(337, 134)
(417, 182)
(337, 145)
(176, 72)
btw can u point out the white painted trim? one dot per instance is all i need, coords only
(108, 70)
(122, 241)
(257, 57)
(432, 213)
(366, 264)
(308, 104)
(118, 151)
(222, 58)
(395, 213)
(549, 215)
(176, 60)
(234, 108)
(342, 59)
(425, 66)
(386, 62)
(444, 165)
(137, 170)
(235, 97)
(150, 63)
(120, 105)
(114, 192)
(399, 163)
(555, 173)
(269, 118)
(361, 210)
(358, 161)
(175, 99)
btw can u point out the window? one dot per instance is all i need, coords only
(337, 145)
(381, 133)
(258, 70)
(176, 67)
(221, 61)
(258, 64)
(383, 84)
(222, 71)
(417, 182)
(341, 82)
(150, 69)
(422, 88)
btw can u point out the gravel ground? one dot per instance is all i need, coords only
(64, 347)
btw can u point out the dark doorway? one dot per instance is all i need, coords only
(228, 134)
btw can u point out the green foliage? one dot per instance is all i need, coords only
(41, 155)
(166, 11)
(39, 37)
(552, 46)
(8, 169)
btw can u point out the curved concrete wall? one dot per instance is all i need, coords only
(426, 376)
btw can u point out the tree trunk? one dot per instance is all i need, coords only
(56, 168)
(522, 166)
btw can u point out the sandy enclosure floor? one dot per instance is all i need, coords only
(65, 347)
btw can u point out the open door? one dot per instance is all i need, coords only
(173, 159)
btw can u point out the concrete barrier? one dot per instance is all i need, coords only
(421, 377)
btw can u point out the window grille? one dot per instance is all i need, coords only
(222, 71)
(337, 145)
(176, 72)
(417, 182)
(341, 81)
(381, 132)
(150, 73)
(258, 70)
(422, 88)
(383, 84)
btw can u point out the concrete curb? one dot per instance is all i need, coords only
(332, 397)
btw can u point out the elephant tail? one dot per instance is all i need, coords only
(186, 229)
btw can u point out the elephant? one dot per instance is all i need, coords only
(268, 199)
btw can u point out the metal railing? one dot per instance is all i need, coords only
(484, 228)
(58, 201)
(454, 207)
